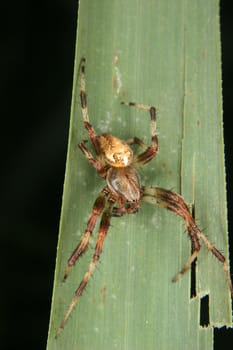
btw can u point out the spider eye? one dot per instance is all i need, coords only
(116, 152)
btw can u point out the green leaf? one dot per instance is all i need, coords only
(163, 53)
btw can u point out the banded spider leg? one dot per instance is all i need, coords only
(175, 203)
(103, 204)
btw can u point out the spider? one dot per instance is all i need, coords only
(123, 194)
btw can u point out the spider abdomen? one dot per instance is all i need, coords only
(124, 182)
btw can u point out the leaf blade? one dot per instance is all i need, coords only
(141, 52)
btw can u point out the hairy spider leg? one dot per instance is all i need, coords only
(175, 203)
(94, 162)
(102, 233)
(97, 209)
(132, 208)
(150, 151)
(137, 141)
(220, 257)
(83, 98)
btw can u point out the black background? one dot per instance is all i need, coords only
(37, 55)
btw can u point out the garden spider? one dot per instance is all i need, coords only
(123, 193)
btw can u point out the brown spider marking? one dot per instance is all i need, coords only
(117, 165)
(103, 294)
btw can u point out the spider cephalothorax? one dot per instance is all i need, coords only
(115, 152)
(123, 193)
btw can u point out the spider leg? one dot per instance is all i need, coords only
(150, 151)
(83, 98)
(177, 205)
(138, 142)
(103, 229)
(130, 209)
(98, 207)
(94, 162)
